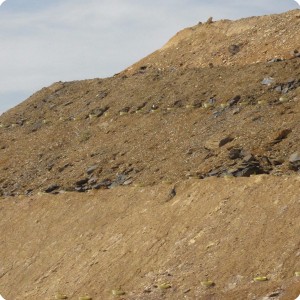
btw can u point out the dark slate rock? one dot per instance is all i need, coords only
(81, 189)
(275, 294)
(234, 153)
(104, 184)
(143, 67)
(285, 90)
(234, 100)
(68, 103)
(121, 178)
(91, 169)
(294, 158)
(280, 135)
(28, 192)
(93, 180)
(275, 60)
(154, 107)
(61, 169)
(172, 194)
(295, 53)
(249, 158)
(178, 103)
(234, 49)
(52, 188)
(225, 141)
(217, 113)
(125, 110)
(102, 95)
(250, 170)
(98, 112)
(81, 182)
(212, 101)
(215, 172)
(287, 86)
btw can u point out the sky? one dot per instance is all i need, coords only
(46, 41)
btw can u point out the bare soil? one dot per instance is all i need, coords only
(181, 169)
(135, 239)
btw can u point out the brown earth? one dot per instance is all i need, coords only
(133, 239)
(220, 99)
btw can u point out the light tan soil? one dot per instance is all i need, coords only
(154, 139)
(226, 230)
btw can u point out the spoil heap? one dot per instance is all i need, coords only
(220, 99)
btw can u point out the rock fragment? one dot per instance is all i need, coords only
(234, 153)
(294, 161)
(52, 188)
(209, 20)
(82, 181)
(295, 53)
(97, 112)
(81, 185)
(268, 81)
(172, 194)
(104, 184)
(91, 169)
(234, 49)
(234, 100)
(215, 143)
(274, 60)
(279, 136)
(226, 140)
(275, 294)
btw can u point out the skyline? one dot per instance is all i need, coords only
(52, 41)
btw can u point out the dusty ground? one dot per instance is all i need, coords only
(161, 153)
(134, 239)
(64, 133)
(152, 124)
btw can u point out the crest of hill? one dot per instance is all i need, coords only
(220, 99)
(173, 115)
(258, 39)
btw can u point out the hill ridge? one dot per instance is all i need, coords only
(147, 117)
(176, 178)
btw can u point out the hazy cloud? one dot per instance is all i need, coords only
(52, 40)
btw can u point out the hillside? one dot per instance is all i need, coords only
(182, 167)
(155, 124)
(135, 240)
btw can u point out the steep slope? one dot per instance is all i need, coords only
(138, 241)
(226, 43)
(156, 124)
(188, 167)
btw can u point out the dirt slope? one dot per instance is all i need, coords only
(136, 239)
(256, 40)
(187, 164)
(153, 124)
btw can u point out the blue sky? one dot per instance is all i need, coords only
(44, 41)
